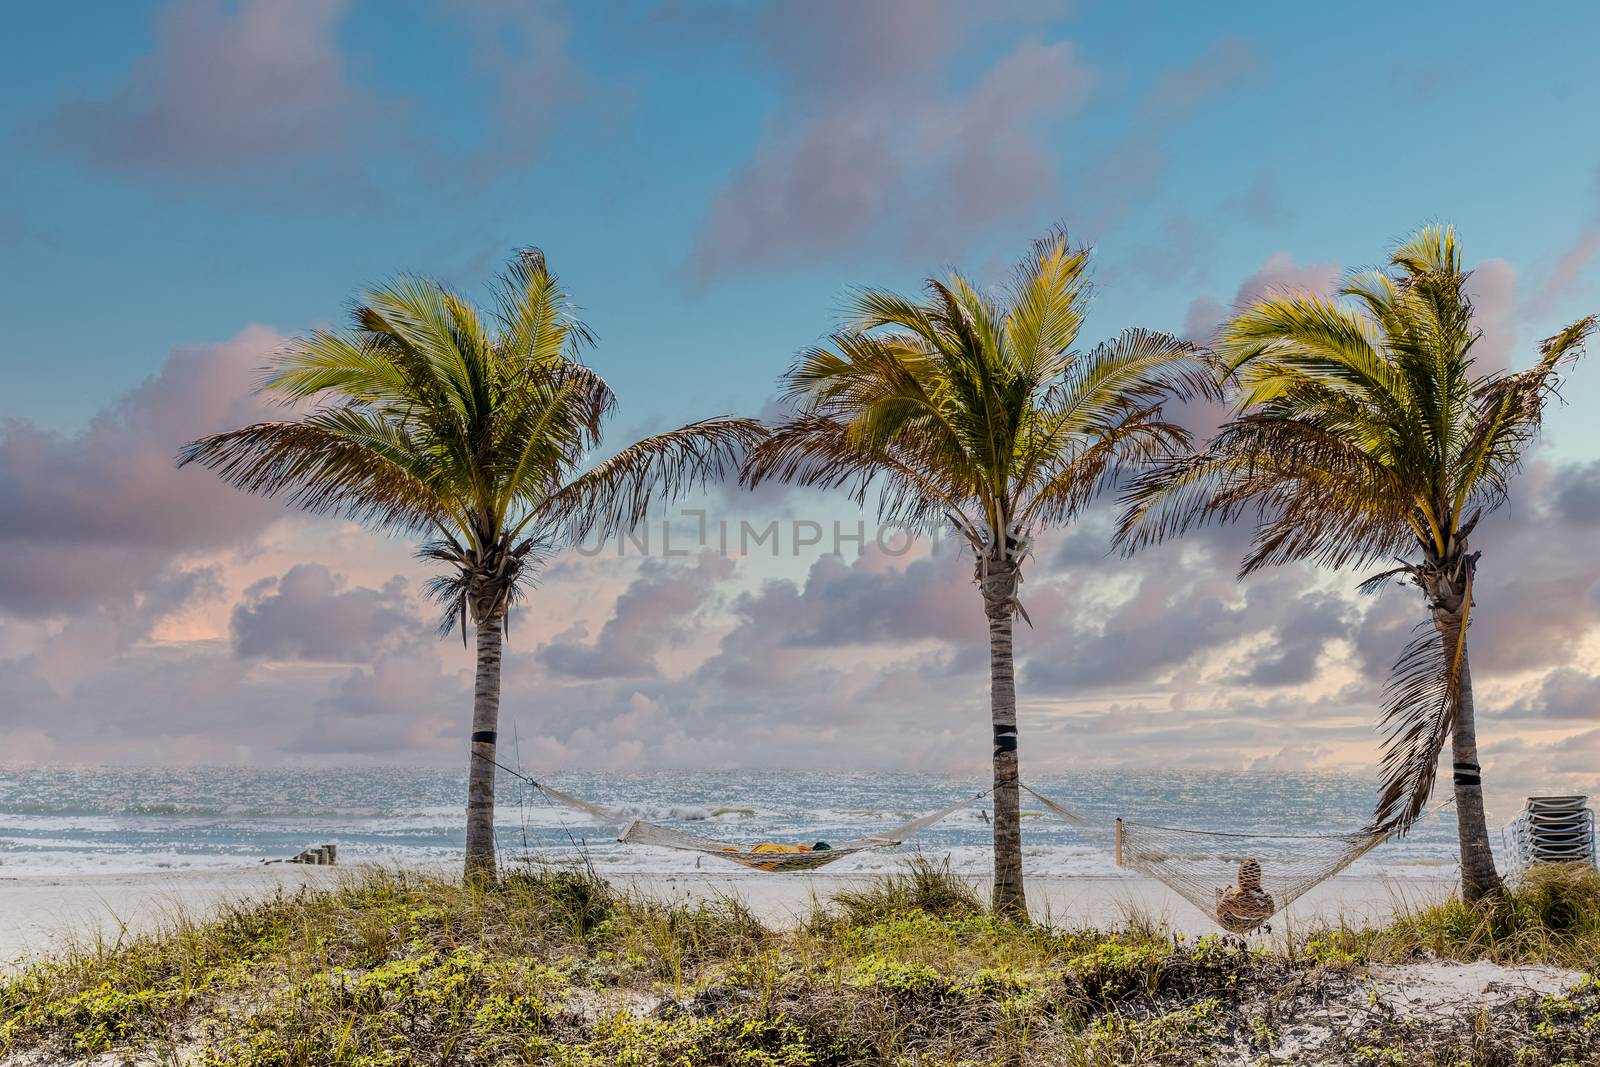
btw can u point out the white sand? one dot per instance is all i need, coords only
(44, 913)
(48, 912)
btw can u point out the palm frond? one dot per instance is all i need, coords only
(617, 493)
(1420, 702)
(335, 463)
(1048, 296)
(819, 452)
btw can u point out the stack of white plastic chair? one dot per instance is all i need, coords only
(1551, 830)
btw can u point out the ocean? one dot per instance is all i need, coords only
(67, 820)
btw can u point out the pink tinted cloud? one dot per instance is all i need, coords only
(875, 144)
(1569, 269)
(93, 517)
(309, 613)
(660, 609)
(1493, 291)
(225, 87)
(1279, 274)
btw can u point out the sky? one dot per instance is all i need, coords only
(190, 183)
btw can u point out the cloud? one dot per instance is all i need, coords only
(660, 609)
(518, 53)
(867, 603)
(307, 614)
(92, 518)
(1126, 171)
(1279, 274)
(225, 89)
(259, 92)
(875, 144)
(1260, 202)
(1492, 288)
(399, 705)
(314, 651)
(1568, 270)
(1175, 96)
(1537, 587)
(1565, 695)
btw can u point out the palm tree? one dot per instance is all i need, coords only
(429, 418)
(1365, 432)
(975, 411)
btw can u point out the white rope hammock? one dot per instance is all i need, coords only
(1239, 880)
(768, 856)
(773, 857)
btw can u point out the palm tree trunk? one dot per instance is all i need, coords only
(1479, 879)
(999, 598)
(480, 773)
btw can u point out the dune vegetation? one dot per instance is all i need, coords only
(554, 965)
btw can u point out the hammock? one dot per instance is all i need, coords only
(1238, 880)
(640, 832)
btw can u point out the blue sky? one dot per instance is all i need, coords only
(1323, 138)
(189, 182)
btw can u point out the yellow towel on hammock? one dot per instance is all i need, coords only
(770, 846)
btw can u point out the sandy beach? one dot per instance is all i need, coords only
(46, 913)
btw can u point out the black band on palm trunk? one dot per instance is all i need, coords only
(486, 737)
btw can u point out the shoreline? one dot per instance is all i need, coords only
(45, 913)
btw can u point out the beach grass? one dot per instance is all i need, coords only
(552, 965)
(1551, 916)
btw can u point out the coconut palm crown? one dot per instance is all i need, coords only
(1365, 432)
(470, 431)
(975, 411)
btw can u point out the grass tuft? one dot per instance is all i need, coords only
(921, 885)
(1551, 916)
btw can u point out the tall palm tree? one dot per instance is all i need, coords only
(431, 418)
(974, 410)
(1365, 432)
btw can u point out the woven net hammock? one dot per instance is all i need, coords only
(781, 857)
(1240, 880)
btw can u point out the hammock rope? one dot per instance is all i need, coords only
(639, 832)
(595, 811)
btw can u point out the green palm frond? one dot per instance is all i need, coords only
(975, 410)
(474, 430)
(821, 453)
(340, 462)
(617, 493)
(1048, 296)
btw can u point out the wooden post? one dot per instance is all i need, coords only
(1119, 841)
